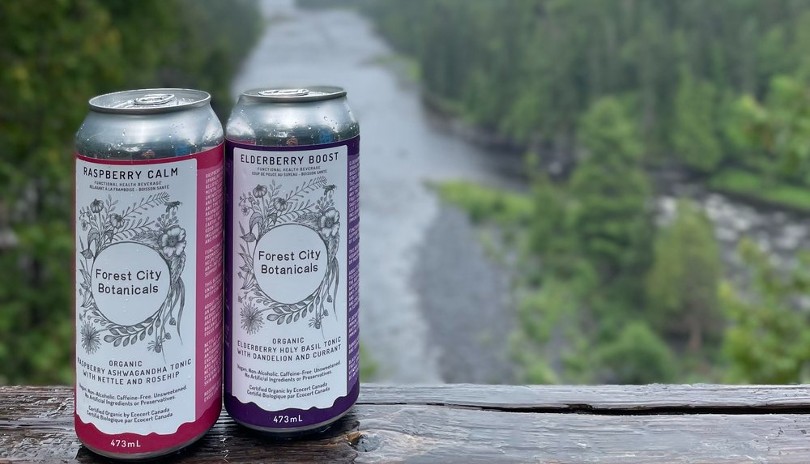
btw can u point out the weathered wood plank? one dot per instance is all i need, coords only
(437, 434)
(598, 398)
(36, 425)
(552, 397)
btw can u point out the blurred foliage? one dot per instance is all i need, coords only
(716, 89)
(696, 131)
(611, 190)
(637, 356)
(709, 84)
(683, 281)
(779, 128)
(56, 55)
(761, 190)
(767, 340)
(368, 366)
(487, 204)
(503, 59)
(579, 323)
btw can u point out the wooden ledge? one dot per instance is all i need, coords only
(478, 423)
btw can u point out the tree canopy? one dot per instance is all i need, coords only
(56, 56)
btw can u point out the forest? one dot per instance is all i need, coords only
(604, 101)
(605, 97)
(56, 55)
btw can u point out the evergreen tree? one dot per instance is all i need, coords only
(683, 282)
(610, 190)
(56, 56)
(549, 236)
(776, 132)
(695, 133)
(637, 356)
(529, 69)
(767, 341)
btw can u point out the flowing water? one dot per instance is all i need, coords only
(433, 307)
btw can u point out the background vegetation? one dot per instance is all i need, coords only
(610, 91)
(718, 91)
(56, 55)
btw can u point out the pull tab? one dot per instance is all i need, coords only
(284, 93)
(155, 99)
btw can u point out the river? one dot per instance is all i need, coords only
(434, 308)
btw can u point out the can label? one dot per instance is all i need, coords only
(295, 267)
(148, 300)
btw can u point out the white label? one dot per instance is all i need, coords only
(135, 295)
(289, 300)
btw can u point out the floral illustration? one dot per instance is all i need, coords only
(264, 207)
(91, 340)
(173, 242)
(252, 320)
(105, 226)
(329, 223)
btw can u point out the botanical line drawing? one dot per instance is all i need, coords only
(104, 226)
(268, 206)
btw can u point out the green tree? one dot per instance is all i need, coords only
(610, 191)
(549, 237)
(529, 69)
(767, 341)
(776, 132)
(637, 356)
(51, 64)
(695, 131)
(682, 284)
(56, 55)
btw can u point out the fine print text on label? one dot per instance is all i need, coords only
(148, 283)
(289, 318)
(136, 258)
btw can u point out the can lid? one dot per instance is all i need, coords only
(295, 94)
(149, 101)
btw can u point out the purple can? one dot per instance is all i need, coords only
(292, 259)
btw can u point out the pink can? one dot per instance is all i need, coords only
(148, 272)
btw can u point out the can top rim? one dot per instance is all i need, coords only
(149, 101)
(285, 94)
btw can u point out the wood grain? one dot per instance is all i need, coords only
(465, 423)
(599, 398)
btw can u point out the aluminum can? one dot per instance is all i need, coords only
(292, 162)
(148, 272)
